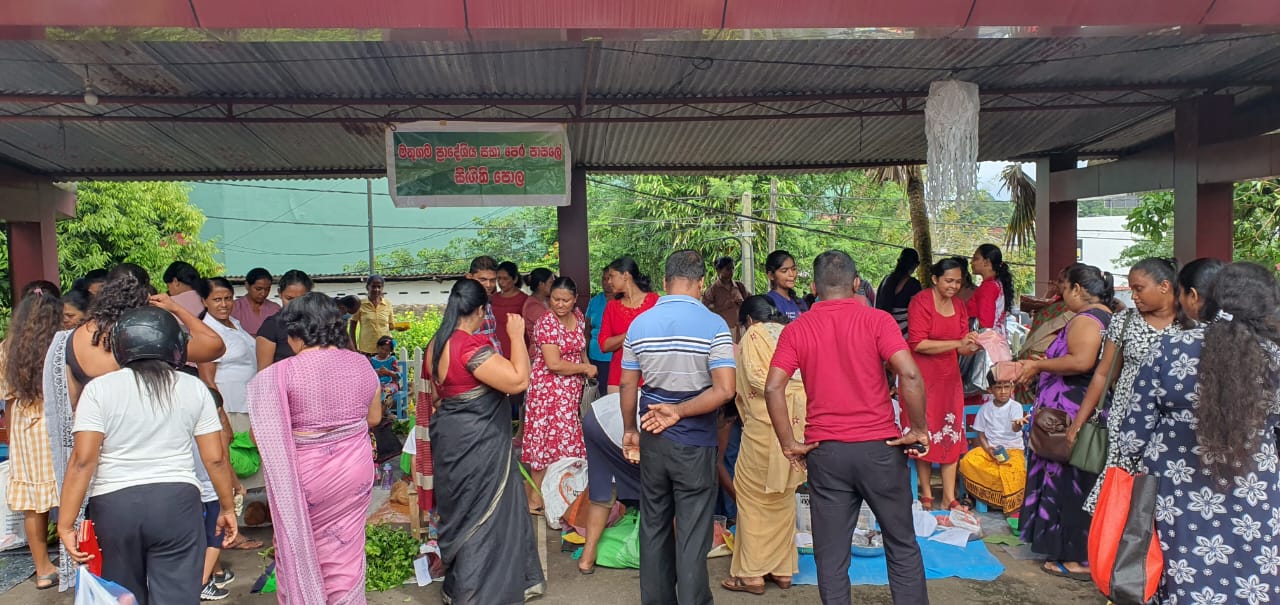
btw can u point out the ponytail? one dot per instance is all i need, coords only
(465, 297)
(992, 254)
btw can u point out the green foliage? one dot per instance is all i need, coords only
(421, 328)
(1257, 224)
(648, 216)
(389, 554)
(150, 224)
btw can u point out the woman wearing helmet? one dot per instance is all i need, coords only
(132, 458)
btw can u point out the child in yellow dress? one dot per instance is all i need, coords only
(995, 470)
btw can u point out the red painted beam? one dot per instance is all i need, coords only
(613, 16)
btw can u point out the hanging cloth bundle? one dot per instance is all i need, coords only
(951, 130)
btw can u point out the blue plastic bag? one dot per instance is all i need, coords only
(92, 590)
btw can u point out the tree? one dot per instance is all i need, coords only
(912, 180)
(150, 224)
(1256, 224)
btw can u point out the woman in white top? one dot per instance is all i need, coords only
(231, 373)
(132, 458)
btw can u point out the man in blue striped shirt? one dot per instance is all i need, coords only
(684, 352)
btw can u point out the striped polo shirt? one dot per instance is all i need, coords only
(675, 345)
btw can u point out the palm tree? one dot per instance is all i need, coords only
(1022, 194)
(911, 177)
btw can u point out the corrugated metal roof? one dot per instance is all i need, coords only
(494, 73)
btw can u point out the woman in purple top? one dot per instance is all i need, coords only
(1053, 519)
(781, 269)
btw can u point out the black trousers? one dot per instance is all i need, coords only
(602, 376)
(152, 539)
(841, 477)
(677, 485)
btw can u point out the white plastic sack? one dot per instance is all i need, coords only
(565, 479)
(13, 533)
(92, 590)
(925, 523)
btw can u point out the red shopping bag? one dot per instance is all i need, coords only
(1124, 551)
(88, 539)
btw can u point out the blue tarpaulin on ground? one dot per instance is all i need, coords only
(974, 562)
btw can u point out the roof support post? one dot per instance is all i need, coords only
(575, 254)
(1055, 223)
(33, 253)
(1203, 213)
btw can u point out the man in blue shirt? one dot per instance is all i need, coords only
(684, 353)
(595, 314)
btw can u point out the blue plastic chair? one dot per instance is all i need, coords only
(400, 398)
(970, 434)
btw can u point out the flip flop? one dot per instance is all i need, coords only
(735, 584)
(52, 580)
(1063, 572)
(783, 583)
(537, 512)
(245, 544)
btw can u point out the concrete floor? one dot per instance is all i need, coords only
(1022, 584)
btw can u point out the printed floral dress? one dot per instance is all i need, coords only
(1220, 536)
(1139, 340)
(944, 391)
(552, 429)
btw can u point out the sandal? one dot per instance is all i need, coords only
(537, 512)
(52, 580)
(588, 571)
(1061, 571)
(957, 504)
(926, 503)
(735, 584)
(245, 544)
(783, 583)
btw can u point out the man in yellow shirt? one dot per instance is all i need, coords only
(374, 318)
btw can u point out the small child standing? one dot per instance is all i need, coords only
(995, 471)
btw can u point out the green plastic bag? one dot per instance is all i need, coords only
(406, 464)
(620, 545)
(245, 459)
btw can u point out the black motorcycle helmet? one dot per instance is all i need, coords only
(148, 333)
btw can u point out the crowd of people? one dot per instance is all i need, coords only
(122, 399)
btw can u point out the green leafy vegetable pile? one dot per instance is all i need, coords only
(389, 553)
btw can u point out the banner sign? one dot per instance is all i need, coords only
(478, 164)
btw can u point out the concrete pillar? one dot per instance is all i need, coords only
(575, 257)
(1203, 212)
(1055, 223)
(33, 253)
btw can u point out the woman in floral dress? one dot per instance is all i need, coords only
(938, 330)
(1210, 438)
(552, 428)
(1135, 333)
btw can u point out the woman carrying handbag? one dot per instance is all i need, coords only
(1053, 521)
(1207, 435)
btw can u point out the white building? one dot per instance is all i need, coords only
(401, 290)
(1100, 240)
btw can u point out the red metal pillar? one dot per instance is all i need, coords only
(1055, 223)
(33, 253)
(575, 257)
(1203, 223)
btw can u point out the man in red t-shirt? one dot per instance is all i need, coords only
(853, 448)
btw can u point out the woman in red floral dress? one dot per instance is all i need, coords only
(552, 429)
(938, 330)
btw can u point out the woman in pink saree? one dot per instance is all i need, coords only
(311, 415)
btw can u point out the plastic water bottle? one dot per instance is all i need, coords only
(386, 476)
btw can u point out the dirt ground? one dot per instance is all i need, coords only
(1021, 584)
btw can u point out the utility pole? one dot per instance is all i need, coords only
(771, 230)
(368, 183)
(748, 253)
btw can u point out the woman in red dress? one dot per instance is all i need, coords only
(938, 330)
(632, 297)
(508, 300)
(552, 429)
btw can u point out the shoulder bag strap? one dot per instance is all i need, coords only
(1115, 360)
